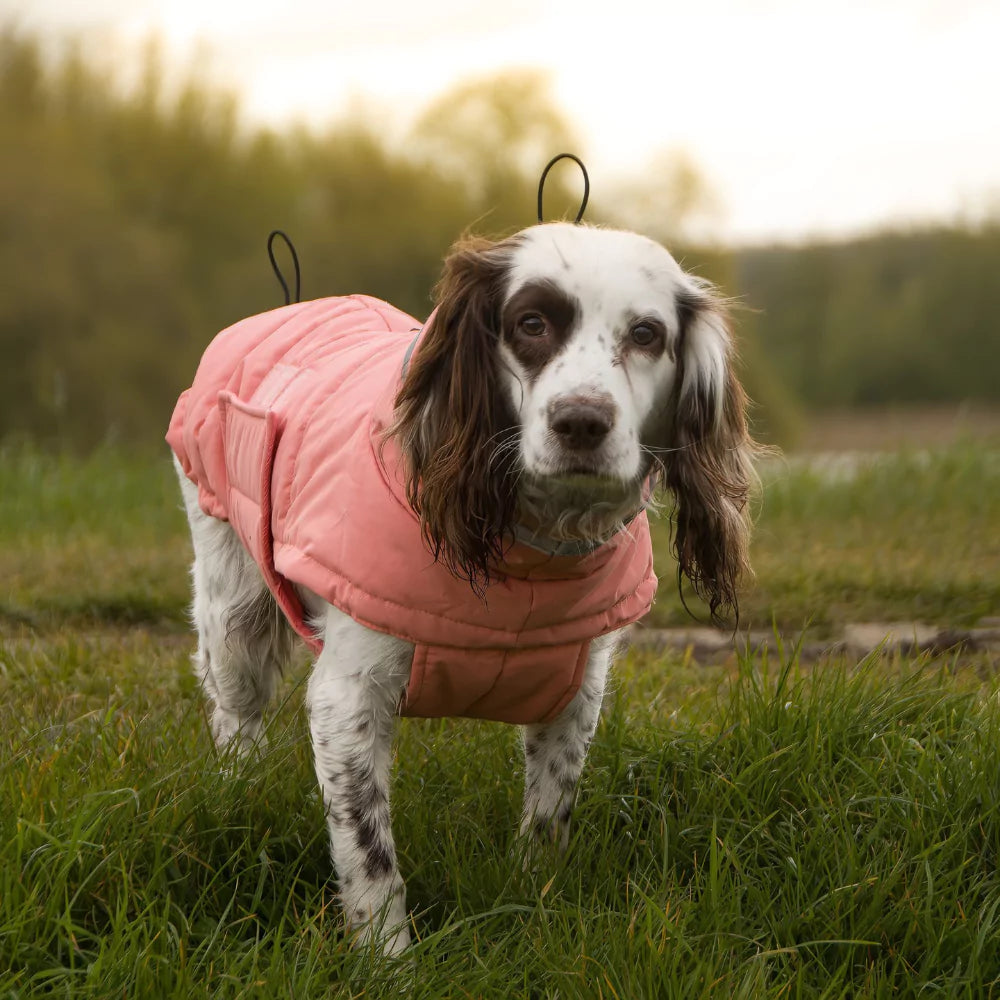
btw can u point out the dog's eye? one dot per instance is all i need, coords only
(533, 325)
(644, 334)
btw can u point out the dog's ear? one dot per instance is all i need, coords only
(452, 420)
(709, 467)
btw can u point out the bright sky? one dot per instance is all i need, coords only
(805, 117)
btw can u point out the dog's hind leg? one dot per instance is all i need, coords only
(243, 639)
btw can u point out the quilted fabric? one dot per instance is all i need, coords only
(283, 433)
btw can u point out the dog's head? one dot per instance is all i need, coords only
(566, 372)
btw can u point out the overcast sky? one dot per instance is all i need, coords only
(805, 117)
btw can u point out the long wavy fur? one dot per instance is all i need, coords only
(451, 418)
(709, 468)
(452, 422)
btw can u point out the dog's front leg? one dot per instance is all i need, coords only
(554, 752)
(353, 693)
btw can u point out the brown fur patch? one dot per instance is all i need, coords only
(709, 470)
(559, 310)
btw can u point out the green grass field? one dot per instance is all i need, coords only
(757, 828)
(103, 542)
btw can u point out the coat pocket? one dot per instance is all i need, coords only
(249, 434)
(249, 438)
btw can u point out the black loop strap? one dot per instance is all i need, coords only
(277, 270)
(586, 184)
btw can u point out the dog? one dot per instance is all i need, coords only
(453, 515)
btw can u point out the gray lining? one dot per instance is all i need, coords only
(409, 352)
(576, 547)
(552, 547)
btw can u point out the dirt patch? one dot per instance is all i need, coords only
(708, 645)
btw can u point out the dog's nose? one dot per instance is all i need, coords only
(581, 422)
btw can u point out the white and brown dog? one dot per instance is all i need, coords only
(566, 371)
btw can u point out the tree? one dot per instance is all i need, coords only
(493, 136)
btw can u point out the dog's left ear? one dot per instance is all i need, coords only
(709, 466)
(451, 420)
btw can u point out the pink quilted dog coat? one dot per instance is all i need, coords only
(281, 432)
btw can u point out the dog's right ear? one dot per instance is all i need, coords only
(450, 416)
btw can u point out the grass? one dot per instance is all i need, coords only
(916, 536)
(91, 541)
(752, 829)
(758, 831)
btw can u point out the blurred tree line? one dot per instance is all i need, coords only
(897, 317)
(133, 222)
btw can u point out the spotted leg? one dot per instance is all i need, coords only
(554, 751)
(352, 697)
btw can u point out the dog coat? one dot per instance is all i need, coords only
(282, 431)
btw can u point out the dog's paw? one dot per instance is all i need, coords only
(383, 927)
(389, 942)
(238, 738)
(550, 833)
(541, 844)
